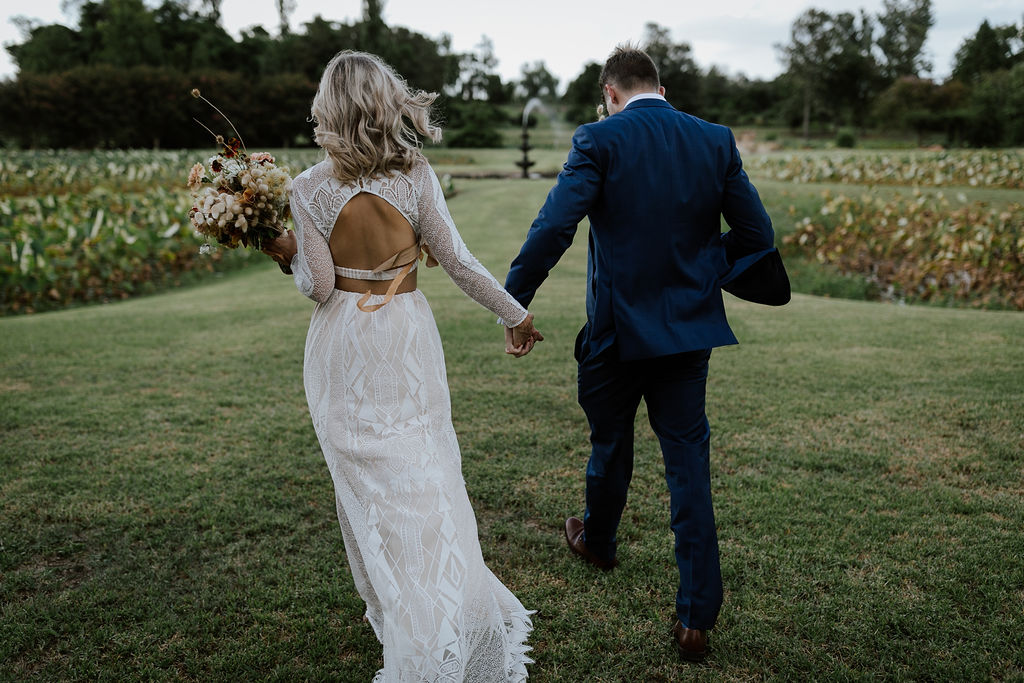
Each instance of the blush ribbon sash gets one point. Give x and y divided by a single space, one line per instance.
406 259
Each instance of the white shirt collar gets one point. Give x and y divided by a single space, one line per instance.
645 96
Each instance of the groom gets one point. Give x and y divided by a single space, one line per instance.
654 183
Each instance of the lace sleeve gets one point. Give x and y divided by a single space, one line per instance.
312 265
438 232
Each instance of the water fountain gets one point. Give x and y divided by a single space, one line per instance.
556 126
526 163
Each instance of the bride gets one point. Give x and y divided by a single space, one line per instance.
374 375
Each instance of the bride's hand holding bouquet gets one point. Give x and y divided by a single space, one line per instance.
241 199
282 249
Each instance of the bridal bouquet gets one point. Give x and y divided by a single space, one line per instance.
238 199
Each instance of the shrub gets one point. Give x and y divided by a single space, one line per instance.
142 106
923 249
475 124
846 138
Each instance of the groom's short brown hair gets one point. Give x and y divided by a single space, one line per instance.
629 68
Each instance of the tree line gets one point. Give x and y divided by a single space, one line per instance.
855 71
122 78
859 70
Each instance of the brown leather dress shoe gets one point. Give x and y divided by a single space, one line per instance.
691 643
574 537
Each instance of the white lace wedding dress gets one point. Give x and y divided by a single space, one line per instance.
378 396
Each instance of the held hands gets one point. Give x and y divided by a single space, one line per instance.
519 340
282 249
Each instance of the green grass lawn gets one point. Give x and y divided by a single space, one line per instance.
167 513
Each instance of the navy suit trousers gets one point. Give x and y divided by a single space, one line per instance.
674 388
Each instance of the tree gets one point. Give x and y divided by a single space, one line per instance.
128 35
854 78
126 70
950 102
121 33
162 108
192 41
31 108
756 102
308 51
211 9
908 104
989 49
285 9
262 52
583 95
537 81
829 58
677 70
1014 121
499 92
995 106
717 93
48 49
372 29
426 63
476 71
805 58
905 28
474 124
283 123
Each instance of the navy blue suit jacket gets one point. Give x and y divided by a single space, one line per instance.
655 183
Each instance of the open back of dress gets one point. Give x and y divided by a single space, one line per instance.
368 231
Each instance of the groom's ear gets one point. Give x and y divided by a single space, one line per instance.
661 90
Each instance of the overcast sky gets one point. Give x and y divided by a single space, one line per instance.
738 35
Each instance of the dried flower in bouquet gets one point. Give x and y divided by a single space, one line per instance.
238 199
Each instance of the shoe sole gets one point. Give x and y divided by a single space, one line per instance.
690 656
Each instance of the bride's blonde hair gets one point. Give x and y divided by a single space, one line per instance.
367 117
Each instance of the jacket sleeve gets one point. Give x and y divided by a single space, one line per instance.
552 232
751 228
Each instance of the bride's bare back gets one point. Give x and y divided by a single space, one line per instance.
368 231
